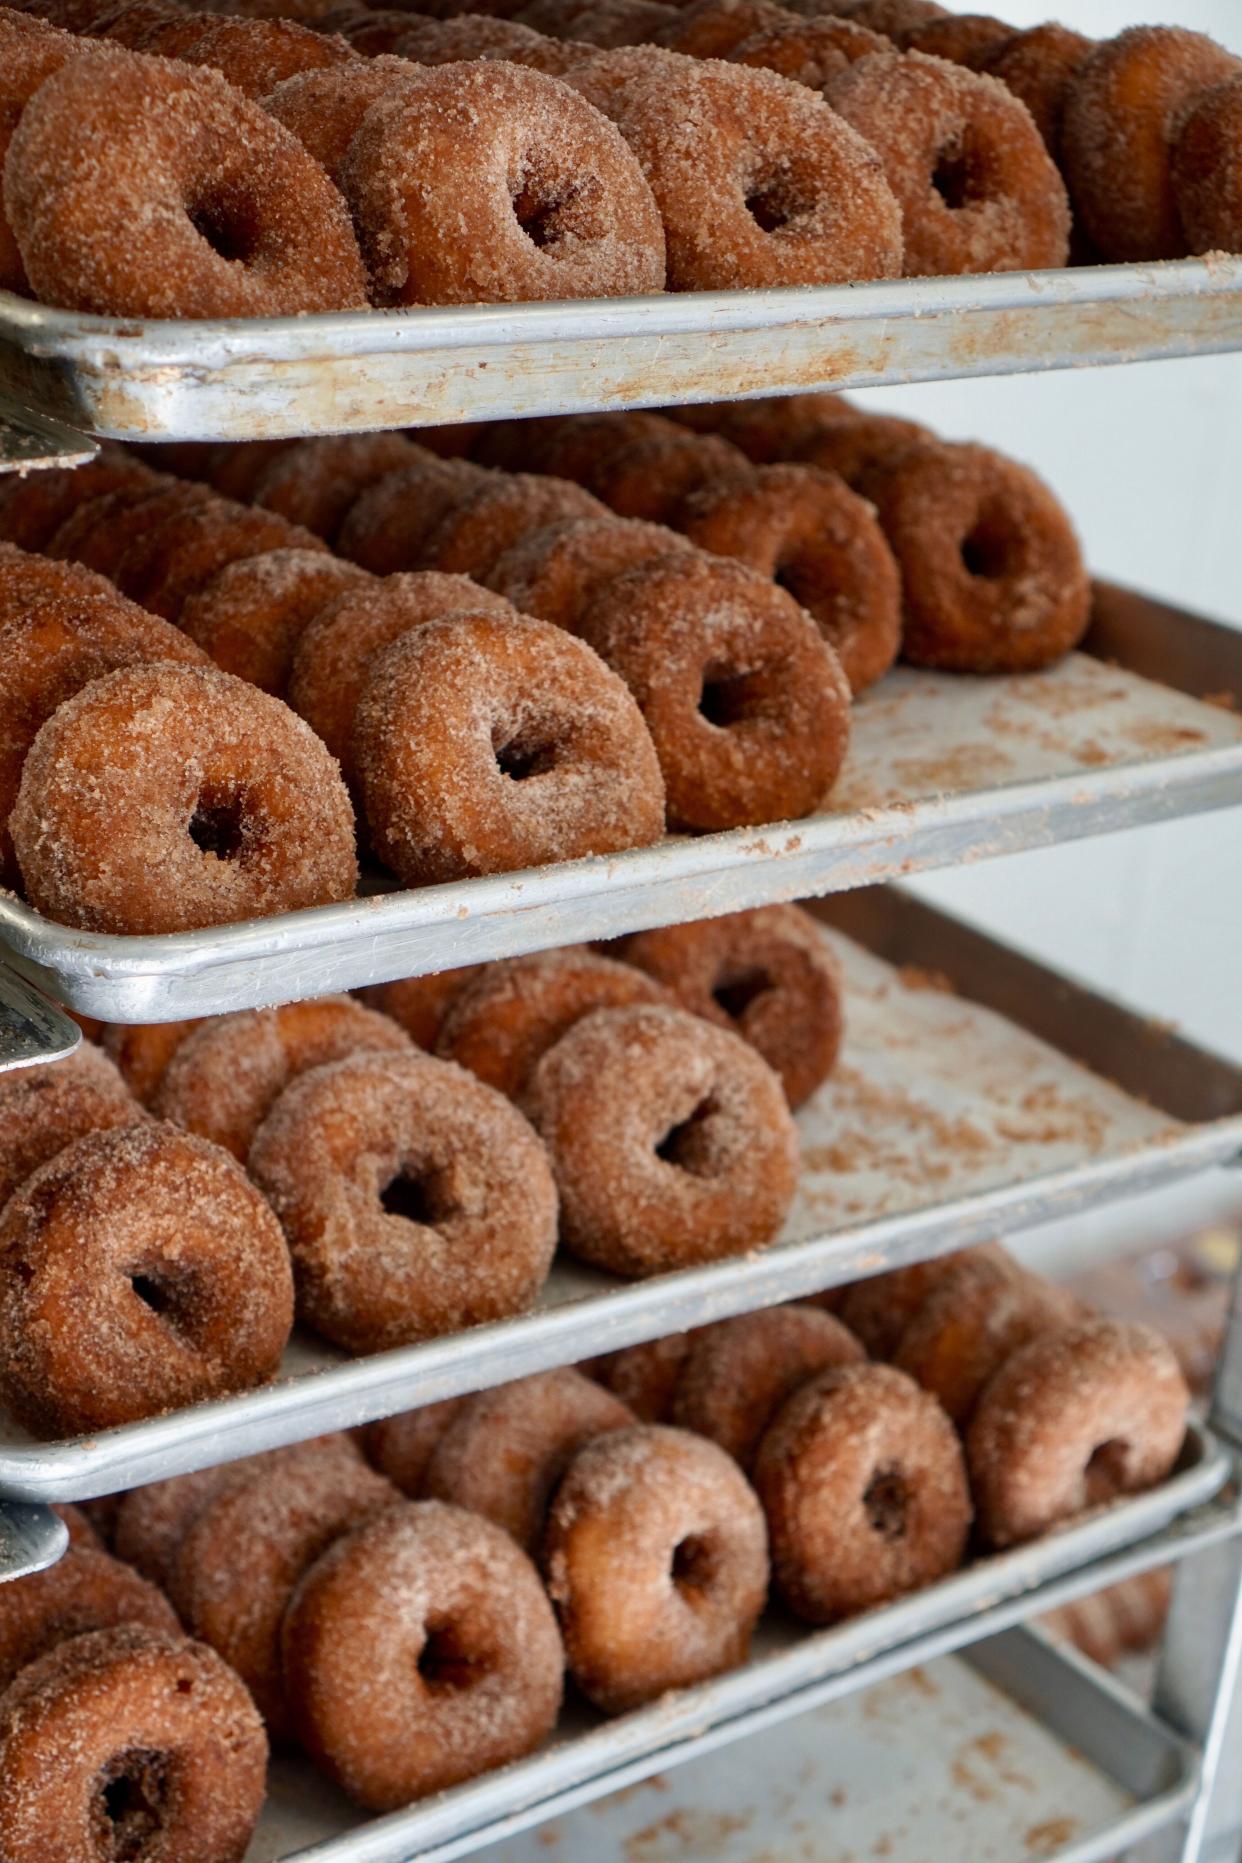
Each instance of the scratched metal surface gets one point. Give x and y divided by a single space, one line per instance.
358 370
942 770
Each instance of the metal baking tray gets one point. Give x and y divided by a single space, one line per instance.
791 1671
356 370
942 770
951 1118
31 1028
31 1538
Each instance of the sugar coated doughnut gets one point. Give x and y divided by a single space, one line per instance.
496 512
130 1742
477 35
245 1551
256 55
1207 170
580 222
152 1521
505 1450
739 1373
745 701
856 444
401 1447
30 52
657 1563
142 1051
85 1590
1038 66
879 1310
527 749
141 1271
34 505
1123 114
251 615
670 1140
44 1108
652 477
556 571
224 1079
566 446
314 482
962 38
863 1482
515 1010
809 532
324 109
421 1651
645 1377
768 975
166 797
609 23
57 632
239 220
1074 1419
388 524
978 190
809 51
335 654
711 28
993 579
756 183
972 1319
768 429
416 1201
890 18
420 1004
168 562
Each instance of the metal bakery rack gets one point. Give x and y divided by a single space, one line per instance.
1140 726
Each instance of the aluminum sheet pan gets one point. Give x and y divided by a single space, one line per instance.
31 1539
790 1672
951 1118
31 1028
357 370
942 770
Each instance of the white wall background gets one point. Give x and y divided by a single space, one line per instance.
1149 460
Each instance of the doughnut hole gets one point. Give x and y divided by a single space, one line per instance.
688 1143
695 1567
131 1797
224 824
554 208
886 1501
227 223
421 1193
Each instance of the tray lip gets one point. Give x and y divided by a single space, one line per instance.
818 1658
116 343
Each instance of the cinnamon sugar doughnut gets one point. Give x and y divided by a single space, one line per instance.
30 52
738 1373
1074 1419
527 750
745 701
712 28
768 429
993 579
610 23
1039 66
34 505
375 32
505 1450
243 1554
864 1486
416 1201
419 1652
809 51
977 188
495 513
670 1140
234 470
53 641
240 222
336 652
44 1108
98 533
657 1563
420 1004
225 1078
85 1590
129 1742
141 1272
151 1522
961 38
314 482
252 613
164 567
566 446
256 55
812 535
142 1051
767 974
503 1022
1207 170
478 35
756 183
652 478
1123 114
645 1377
164 797
581 222
857 444
972 1320
131 22
890 18
556 572
402 1446
388 524
880 1309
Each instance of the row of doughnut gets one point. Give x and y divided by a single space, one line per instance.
674 639
408 1618
314 1159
